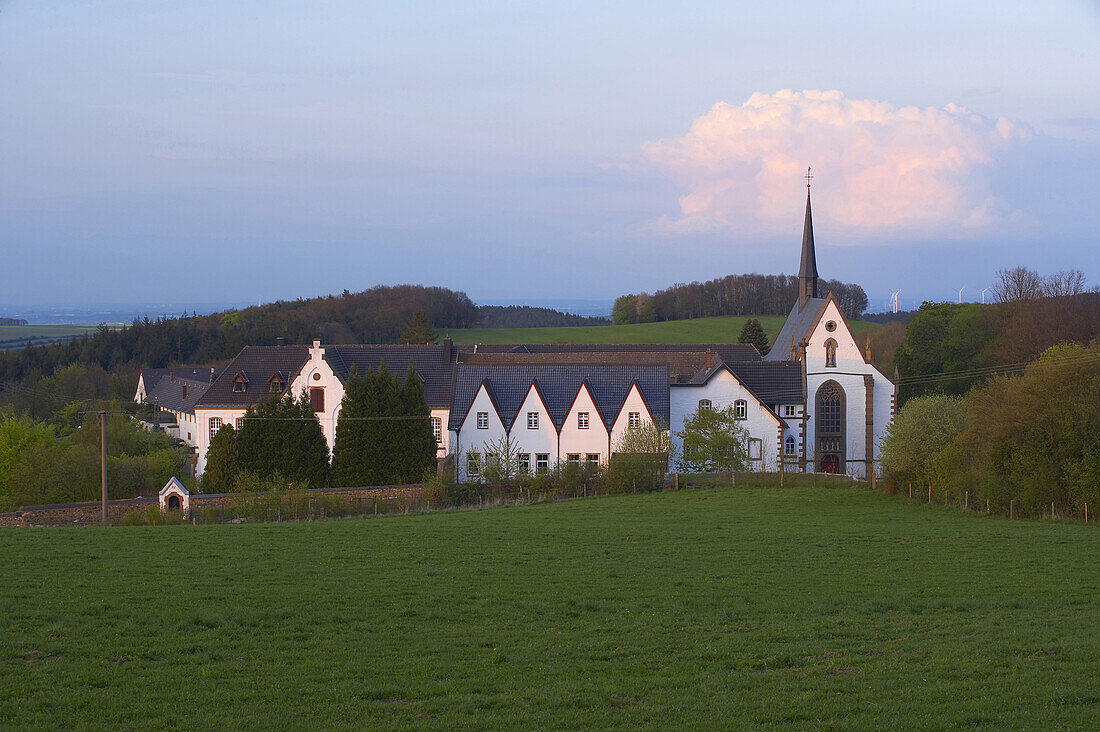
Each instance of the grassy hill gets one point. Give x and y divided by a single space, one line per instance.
724 329
837 608
16 336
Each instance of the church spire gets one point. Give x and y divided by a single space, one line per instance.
807 272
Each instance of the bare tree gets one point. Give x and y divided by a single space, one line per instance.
1064 283
1018 284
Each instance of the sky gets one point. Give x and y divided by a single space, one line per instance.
228 151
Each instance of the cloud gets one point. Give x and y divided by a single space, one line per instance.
878 168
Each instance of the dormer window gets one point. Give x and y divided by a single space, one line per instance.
276 383
830 353
240 383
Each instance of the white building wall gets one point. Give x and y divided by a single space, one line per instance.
633 403
593 440
317 374
723 390
470 439
201 429
542 440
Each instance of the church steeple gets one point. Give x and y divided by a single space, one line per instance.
807 272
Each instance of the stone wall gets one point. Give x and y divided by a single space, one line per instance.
91 512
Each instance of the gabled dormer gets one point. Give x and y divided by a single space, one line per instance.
240 383
276 383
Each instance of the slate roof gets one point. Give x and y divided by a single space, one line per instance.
257 363
559 384
773 382
728 352
179 395
432 363
796 326
682 366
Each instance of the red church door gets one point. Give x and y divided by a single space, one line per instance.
830 464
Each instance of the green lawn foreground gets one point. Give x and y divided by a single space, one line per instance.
840 608
722 329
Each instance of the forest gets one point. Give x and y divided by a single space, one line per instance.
744 294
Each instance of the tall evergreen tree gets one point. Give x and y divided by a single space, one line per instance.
283 435
418 330
753 333
221 461
418 440
350 465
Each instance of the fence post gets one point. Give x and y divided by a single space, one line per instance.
1052 510
929 492
676 481
1012 508
910 490
966 501
987 505
733 480
1086 513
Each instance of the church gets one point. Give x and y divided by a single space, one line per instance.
814 403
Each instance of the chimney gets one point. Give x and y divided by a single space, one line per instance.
171 375
448 346
184 392
211 374
708 359
280 341
316 342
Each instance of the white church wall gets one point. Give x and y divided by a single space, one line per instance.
579 441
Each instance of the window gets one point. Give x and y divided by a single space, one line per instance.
317 398
740 409
437 429
473 464
542 462
215 425
790 411
582 420
532 420
634 419
573 457
830 353
592 457
238 423
704 404
238 385
828 410
525 462
788 445
276 384
756 448
483 420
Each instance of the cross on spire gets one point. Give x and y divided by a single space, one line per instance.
809 177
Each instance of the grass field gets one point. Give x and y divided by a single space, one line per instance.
724 329
800 608
16 336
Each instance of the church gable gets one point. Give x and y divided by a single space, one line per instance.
830 343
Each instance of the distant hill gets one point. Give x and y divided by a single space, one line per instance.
526 316
12 321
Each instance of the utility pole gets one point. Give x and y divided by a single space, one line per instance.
103 460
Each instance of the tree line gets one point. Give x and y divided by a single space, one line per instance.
744 294
526 316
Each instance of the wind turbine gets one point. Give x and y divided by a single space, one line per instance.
894 299
961 294
983 294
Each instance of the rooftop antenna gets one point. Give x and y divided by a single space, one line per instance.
983 294
961 294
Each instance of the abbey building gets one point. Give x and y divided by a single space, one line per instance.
815 402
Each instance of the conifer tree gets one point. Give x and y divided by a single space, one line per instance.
753 333
221 461
418 330
283 435
418 440
349 455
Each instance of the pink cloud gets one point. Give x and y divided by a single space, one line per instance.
878 167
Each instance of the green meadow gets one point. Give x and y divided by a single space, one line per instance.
765 607
722 329
17 336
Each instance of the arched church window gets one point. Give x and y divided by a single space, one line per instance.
829 406
704 404
830 353
788 445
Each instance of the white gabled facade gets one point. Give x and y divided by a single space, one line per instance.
836 367
634 404
533 431
481 428
316 376
763 428
578 439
